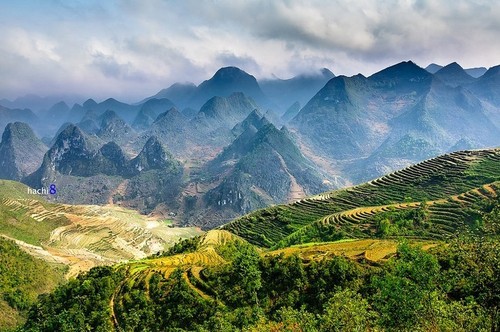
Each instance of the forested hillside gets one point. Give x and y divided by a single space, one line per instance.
426 258
22 279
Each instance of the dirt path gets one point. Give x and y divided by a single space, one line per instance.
112 305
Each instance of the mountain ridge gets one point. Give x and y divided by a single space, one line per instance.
21 151
420 182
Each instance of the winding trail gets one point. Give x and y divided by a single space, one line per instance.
296 191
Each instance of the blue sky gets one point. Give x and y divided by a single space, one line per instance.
132 48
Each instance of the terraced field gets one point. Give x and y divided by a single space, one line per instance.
81 236
443 218
372 250
139 274
205 255
465 177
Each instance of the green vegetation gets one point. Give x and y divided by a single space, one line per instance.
22 279
402 223
16 222
85 306
15 190
444 289
182 246
349 213
427 261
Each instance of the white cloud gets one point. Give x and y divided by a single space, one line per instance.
132 48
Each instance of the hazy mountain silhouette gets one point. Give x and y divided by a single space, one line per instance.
21 152
454 75
225 82
301 88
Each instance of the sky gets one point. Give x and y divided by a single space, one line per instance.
131 49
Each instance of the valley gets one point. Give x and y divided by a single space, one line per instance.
414 229
82 236
240 204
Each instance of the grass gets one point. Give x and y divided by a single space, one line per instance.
311 244
17 222
368 249
168 221
16 190
22 279
82 235
349 209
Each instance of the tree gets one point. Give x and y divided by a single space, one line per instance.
245 269
473 270
284 280
287 320
404 291
347 311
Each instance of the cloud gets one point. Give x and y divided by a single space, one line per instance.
109 67
131 48
370 31
245 62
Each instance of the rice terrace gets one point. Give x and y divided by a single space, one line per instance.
250 166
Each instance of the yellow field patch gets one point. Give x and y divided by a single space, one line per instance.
370 249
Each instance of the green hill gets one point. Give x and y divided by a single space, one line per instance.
341 264
219 282
457 180
22 279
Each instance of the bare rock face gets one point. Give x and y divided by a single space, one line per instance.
21 152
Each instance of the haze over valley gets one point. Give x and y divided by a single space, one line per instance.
203 155
250 166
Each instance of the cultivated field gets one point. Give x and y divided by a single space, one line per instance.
81 236
460 179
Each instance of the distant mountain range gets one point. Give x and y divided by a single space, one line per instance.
235 144
225 82
399 116
269 93
299 89
262 166
8 115
38 103
474 72
76 155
